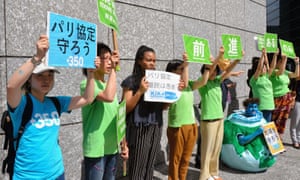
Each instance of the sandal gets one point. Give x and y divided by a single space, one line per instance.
296 145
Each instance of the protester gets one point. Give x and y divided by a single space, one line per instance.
283 98
295 115
39 155
211 124
100 147
182 129
262 86
144 119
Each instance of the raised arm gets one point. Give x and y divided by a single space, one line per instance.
110 90
22 74
185 73
273 63
282 65
295 74
226 74
216 61
260 64
88 95
202 82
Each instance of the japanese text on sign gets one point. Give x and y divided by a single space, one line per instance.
107 14
163 86
197 49
72 41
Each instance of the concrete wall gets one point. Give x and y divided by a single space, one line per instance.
158 24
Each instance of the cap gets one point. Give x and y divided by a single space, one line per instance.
42 68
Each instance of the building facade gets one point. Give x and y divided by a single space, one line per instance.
157 24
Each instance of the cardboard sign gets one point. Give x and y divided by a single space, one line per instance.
233 46
272 138
107 14
72 42
287 48
163 86
197 49
270 42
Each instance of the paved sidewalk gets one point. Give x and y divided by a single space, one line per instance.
287 167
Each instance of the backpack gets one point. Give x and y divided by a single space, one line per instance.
9 140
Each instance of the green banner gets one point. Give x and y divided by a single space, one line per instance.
197 49
232 46
107 14
121 121
270 41
287 48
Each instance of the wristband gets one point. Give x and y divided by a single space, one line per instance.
207 68
34 61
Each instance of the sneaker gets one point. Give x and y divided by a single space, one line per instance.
217 178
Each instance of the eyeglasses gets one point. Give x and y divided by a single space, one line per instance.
107 58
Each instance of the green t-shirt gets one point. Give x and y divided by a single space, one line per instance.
211 100
280 83
262 89
181 112
99 125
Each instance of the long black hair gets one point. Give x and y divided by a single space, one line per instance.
137 69
218 70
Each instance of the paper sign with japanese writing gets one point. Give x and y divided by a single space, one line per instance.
270 41
232 46
197 49
121 121
163 86
272 138
72 42
107 14
287 48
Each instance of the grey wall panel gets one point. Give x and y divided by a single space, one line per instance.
159 5
145 27
255 17
200 9
25 21
2 29
231 13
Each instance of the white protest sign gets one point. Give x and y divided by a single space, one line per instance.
163 86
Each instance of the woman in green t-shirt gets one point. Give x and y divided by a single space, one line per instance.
211 124
262 86
283 98
182 129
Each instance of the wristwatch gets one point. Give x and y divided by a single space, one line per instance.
34 60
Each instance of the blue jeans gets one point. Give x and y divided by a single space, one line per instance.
101 168
267 115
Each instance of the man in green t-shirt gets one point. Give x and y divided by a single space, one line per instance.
100 148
